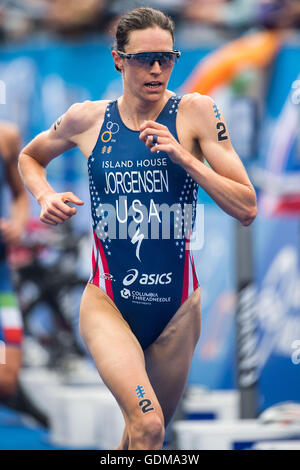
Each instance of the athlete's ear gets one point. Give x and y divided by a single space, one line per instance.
117 60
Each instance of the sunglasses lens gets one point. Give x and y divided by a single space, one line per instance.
166 58
144 58
148 58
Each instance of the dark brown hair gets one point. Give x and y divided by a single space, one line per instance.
138 19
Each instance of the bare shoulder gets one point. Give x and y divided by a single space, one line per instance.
195 103
79 118
199 112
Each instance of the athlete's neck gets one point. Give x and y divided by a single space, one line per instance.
135 111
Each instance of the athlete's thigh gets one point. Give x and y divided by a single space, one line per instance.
118 355
169 358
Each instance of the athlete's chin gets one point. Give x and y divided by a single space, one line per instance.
154 94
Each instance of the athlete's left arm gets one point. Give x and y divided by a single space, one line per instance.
13 227
226 180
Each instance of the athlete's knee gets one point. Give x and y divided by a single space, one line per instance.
148 433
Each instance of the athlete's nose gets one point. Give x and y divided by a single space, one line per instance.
156 67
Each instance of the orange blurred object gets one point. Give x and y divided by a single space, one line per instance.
221 66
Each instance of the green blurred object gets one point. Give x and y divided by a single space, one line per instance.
243 82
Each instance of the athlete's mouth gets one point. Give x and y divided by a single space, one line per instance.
153 84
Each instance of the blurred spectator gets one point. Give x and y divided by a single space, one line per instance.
19 18
22 18
76 16
279 13
222 13
244 13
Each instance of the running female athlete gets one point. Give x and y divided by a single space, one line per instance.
140 312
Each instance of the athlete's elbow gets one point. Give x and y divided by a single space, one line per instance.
24 165
22 159
25 158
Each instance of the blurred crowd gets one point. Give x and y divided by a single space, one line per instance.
72 18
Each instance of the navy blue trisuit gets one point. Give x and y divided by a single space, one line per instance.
143 211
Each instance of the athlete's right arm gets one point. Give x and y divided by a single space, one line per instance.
34 158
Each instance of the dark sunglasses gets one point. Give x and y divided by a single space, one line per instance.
167 58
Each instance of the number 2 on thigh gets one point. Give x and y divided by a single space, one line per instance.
145 405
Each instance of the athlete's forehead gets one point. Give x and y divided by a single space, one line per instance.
150 39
